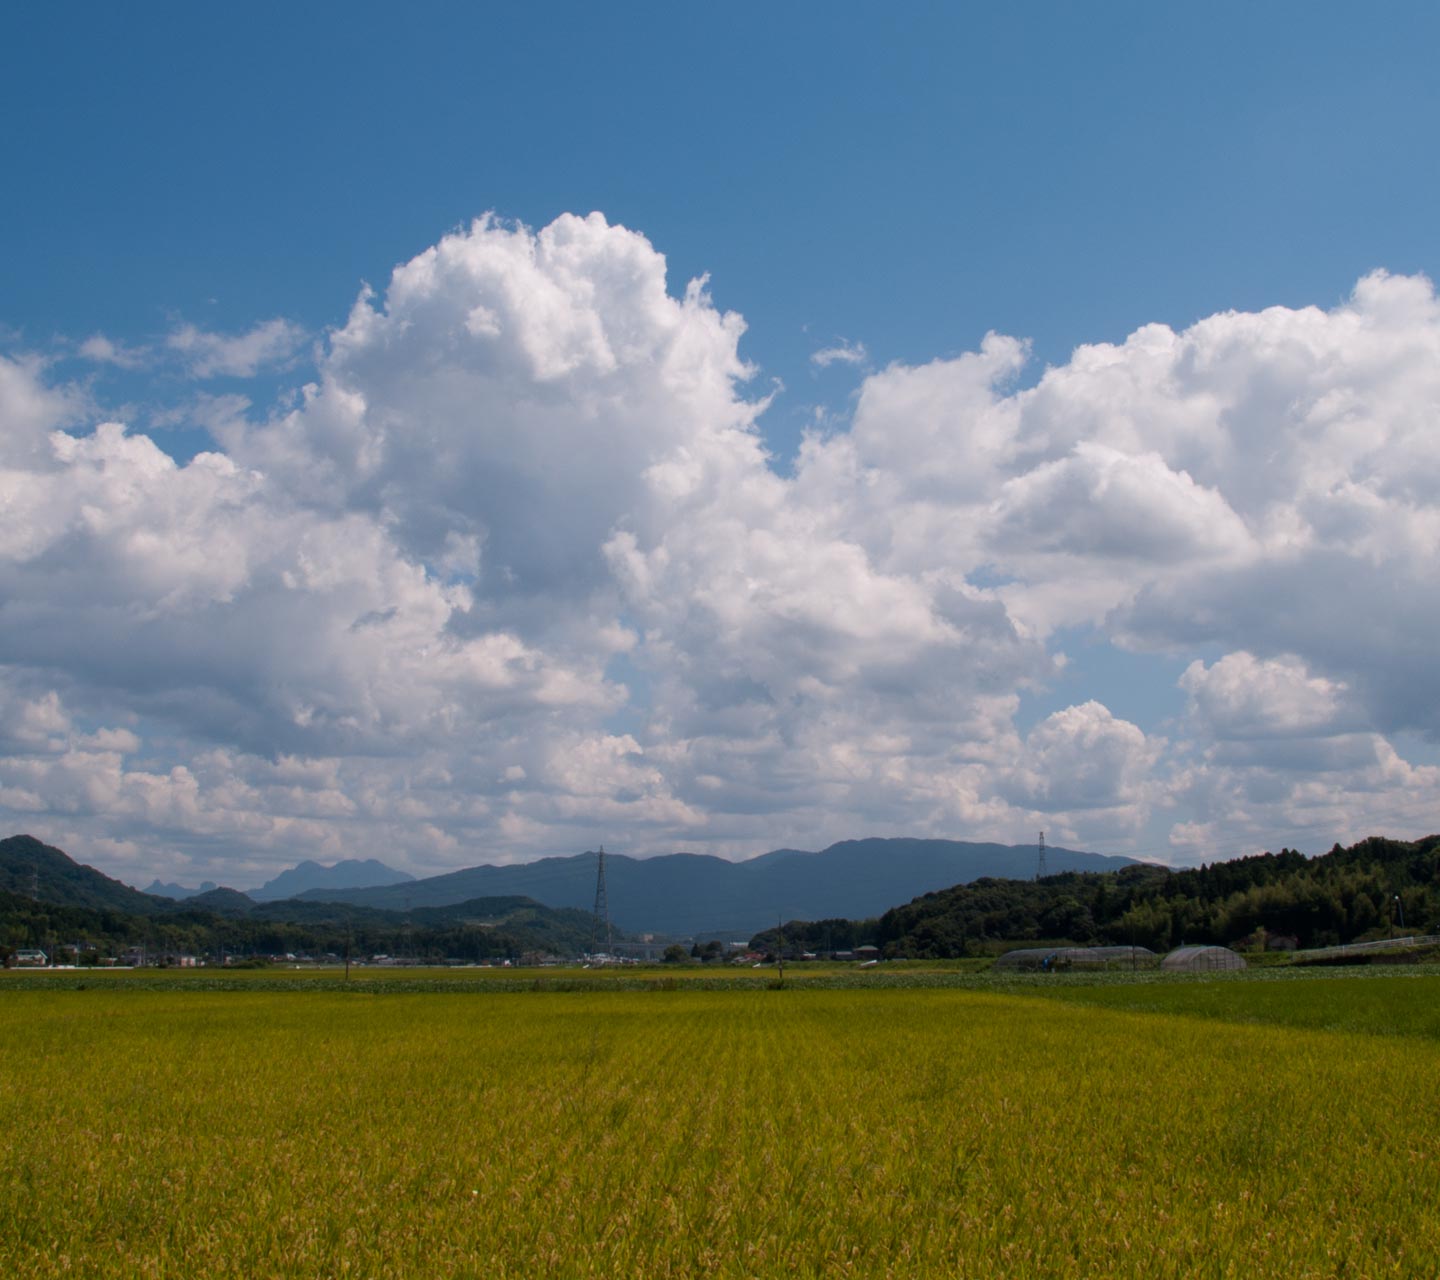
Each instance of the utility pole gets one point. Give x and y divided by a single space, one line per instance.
1040 866
35 894
602 909
780 947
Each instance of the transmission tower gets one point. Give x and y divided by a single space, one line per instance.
602 909
1040 865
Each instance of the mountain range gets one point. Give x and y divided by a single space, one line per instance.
680 894
351 873
1372 890
688 894
159 888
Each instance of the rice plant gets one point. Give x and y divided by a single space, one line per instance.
683 1133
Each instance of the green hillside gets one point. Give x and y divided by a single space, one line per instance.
1350 894
33 869
81 912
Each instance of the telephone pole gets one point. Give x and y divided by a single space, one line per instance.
1040 865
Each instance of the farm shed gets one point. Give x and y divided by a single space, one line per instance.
1201 960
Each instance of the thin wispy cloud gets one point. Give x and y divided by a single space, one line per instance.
102 350
273 344
843 352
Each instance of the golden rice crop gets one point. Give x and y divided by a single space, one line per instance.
698 1133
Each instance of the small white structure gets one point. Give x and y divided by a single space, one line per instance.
31 958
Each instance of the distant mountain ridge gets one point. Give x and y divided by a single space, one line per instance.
351 873
222 901
46 896
689 893
170 889
681 894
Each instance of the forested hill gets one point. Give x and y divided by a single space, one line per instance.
483 929
31 868
47 900
1348 894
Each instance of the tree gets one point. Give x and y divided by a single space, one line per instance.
1067 917
676 954
1146 924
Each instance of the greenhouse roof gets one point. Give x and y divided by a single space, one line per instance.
1203 958
1035 957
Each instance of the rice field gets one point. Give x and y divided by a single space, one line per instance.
1396 1000
171 1130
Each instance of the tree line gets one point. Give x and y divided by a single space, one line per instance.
1375 887
90 935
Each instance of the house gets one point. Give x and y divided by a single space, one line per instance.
32 958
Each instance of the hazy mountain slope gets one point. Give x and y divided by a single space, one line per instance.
352 873
686 893
221 901
158 888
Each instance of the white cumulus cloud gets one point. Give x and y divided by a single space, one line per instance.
514 573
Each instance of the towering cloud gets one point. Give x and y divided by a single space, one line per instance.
514 571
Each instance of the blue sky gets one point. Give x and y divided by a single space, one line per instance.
890 185
911 180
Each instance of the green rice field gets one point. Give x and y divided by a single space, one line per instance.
929 1125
